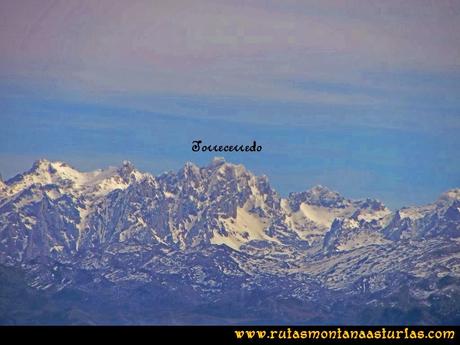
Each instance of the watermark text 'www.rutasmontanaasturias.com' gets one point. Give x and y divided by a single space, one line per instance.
198 147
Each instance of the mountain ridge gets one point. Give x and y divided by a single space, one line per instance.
213 230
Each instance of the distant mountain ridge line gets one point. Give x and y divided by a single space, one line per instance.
215 159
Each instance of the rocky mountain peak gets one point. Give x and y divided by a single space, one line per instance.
318 196
125 170
372 204
40 164
448 197
217 161
323 194
190 170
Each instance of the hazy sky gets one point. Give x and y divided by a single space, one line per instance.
361 96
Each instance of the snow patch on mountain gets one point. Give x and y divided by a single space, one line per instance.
243 228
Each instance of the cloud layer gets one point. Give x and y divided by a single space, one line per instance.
257 49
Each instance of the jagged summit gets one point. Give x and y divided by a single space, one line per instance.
217 161
220 166
125 170
39 163
320 192
190 170
320 189
319 196
449 196
127 165
43 165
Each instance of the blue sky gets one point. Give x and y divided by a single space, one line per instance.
360 96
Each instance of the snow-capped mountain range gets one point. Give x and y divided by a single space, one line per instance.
217 244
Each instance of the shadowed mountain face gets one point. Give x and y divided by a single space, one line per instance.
217 245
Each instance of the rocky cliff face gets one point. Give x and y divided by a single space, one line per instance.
205 236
